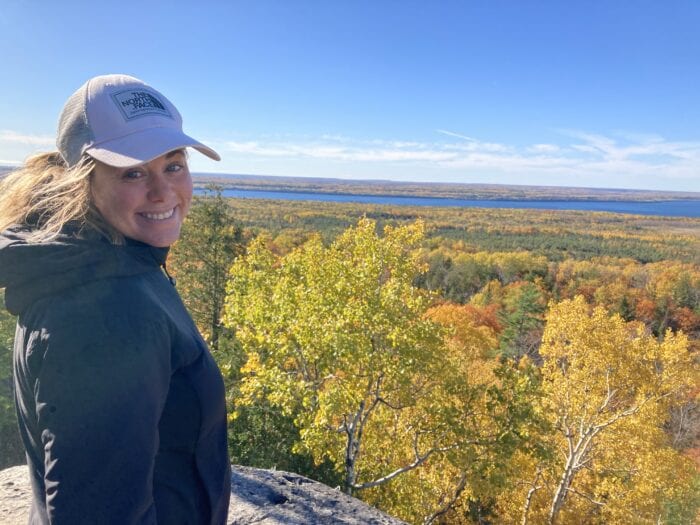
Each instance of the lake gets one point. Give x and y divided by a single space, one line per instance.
685 208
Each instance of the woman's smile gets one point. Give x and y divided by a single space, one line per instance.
158 216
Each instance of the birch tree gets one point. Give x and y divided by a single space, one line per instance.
607 387
336 337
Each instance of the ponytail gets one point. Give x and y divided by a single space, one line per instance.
46 195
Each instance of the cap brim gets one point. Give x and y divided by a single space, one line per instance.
144 146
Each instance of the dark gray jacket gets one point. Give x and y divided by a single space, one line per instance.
120 405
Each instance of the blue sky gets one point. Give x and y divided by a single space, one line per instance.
567 93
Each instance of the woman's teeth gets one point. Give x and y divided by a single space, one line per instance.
159 216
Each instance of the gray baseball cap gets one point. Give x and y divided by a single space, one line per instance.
123 122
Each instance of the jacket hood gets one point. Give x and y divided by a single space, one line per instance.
30 271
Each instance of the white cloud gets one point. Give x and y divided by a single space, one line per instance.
583 148
544 148
581 158
7 135
390 152
256 148
15 146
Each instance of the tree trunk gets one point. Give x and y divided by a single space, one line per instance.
528 499
560 495
352 449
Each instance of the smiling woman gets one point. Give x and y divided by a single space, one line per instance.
121 406
147 202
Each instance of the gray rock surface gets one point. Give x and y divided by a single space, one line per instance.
15 494
260 497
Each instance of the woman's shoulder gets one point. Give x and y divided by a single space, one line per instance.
90 326
120 307
32 271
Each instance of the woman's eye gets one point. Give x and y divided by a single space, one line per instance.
175 166
132 174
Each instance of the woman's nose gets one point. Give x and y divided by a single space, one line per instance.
158 187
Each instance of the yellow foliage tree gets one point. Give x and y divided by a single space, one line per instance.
336 337
484 404
408 402
607 389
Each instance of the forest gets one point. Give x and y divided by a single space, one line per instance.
448 365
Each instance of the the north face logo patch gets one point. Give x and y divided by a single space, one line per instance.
138 103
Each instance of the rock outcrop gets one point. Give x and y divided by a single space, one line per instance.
15 494
262 497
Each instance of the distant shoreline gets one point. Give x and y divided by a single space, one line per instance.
674 208
455 191
234 187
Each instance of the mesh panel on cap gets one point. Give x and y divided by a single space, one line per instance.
73 129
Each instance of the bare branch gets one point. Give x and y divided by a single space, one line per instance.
534 487
448 505
625 413
416 463
587 497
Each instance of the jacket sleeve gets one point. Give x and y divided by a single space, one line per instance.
99 396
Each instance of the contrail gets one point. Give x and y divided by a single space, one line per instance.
453 134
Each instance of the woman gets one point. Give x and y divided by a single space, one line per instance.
120 405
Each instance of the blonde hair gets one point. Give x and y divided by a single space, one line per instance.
46 195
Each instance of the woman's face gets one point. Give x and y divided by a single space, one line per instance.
148 202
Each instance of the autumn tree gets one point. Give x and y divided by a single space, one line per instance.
607 389
336 337
459 275
209 243
488 404
410 403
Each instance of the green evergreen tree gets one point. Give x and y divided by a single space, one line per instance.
209 243
522 319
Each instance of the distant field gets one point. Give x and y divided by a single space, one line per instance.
559 235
